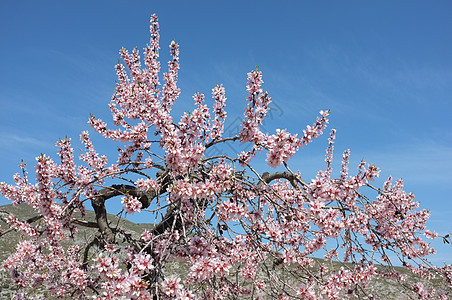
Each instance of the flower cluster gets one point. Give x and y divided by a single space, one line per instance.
117 283
147 184
311 132
131 204
218 94
26 228
230 211
281 147
256 109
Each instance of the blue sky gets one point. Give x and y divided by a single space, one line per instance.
384 69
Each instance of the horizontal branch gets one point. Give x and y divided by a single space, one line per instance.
235 138
85 223
292 178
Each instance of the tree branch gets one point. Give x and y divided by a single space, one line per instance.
292 178
145 197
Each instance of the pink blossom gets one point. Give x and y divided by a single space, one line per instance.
218 94
281 147
131 204
431 235
147 184
229 211
171 286
142 263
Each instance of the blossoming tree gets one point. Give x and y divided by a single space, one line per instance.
240 233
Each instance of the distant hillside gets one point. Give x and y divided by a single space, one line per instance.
382 288
83 236
24 212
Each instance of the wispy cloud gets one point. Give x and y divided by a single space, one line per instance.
394 74
13 141
421 163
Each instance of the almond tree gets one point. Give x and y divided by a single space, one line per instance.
240 233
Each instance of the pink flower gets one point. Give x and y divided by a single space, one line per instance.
142 263
307 292
146 236
218 94
230 210
147 184
131 204
256 109
431 235
171 286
